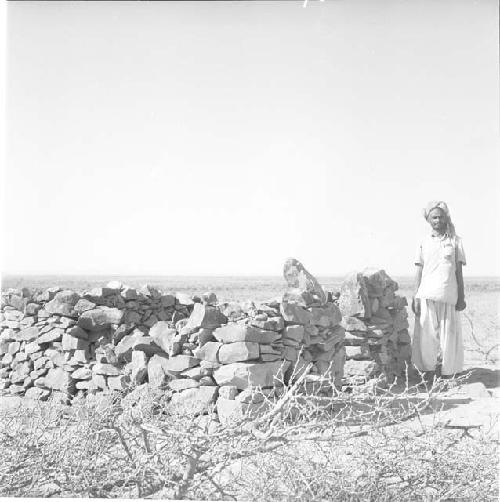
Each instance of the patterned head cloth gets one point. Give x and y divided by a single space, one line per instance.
439 204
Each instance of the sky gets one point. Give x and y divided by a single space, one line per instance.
221 138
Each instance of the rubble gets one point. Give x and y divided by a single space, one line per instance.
204 353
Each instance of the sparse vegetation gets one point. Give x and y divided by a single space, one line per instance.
370 444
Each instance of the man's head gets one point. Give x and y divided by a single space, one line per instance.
438 220
438 216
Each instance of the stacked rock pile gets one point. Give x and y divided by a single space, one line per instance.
302 333
59 340
376 323
313 332
202 352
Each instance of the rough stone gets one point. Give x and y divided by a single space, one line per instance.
28 334
238 351
353 324
326 316
105 369
54 335
183 299
123 349
181 384
209 298
8 335
232 310
21 356
294 333
82 305
360 352
157 373
194 401
295 314
243 375
31 348
139 367
32 309
63 303
58 379
297 277
163 335
353 299
97 319
13 348
120 382
270 324
208 352
129 293
82 374
228 392
37 393
230 411
377 282
178 364
71 343
205 316
244 333
99 381
364 369
147 345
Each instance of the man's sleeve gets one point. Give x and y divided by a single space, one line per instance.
460 256
419 256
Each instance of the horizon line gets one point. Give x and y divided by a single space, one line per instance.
333 275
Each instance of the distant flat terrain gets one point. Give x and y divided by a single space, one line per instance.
235 288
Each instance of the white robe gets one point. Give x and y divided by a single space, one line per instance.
438 331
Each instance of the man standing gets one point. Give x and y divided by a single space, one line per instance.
439 296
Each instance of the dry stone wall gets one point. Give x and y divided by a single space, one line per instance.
202 352
377 341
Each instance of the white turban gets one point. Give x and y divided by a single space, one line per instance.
436 204
439 204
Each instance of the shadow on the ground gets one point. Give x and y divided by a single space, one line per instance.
490 378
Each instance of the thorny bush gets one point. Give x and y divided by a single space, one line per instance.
308 442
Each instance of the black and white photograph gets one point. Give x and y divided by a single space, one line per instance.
250 250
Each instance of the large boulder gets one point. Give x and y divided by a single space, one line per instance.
298 278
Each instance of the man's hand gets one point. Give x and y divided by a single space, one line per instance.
460 305
415 306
